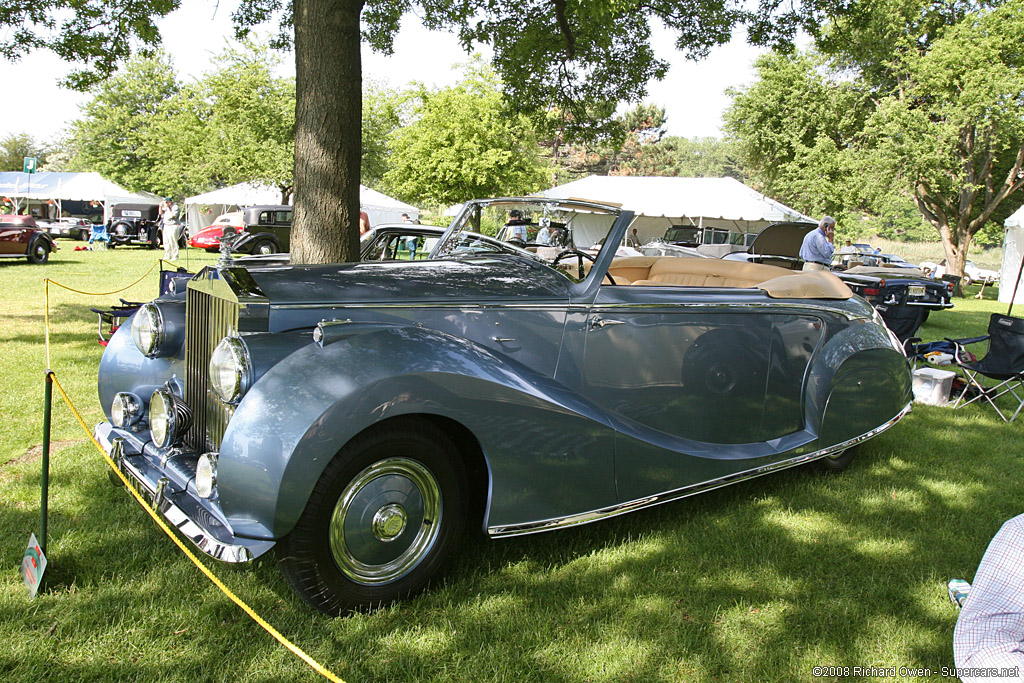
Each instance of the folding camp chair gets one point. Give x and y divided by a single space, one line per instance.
1004 363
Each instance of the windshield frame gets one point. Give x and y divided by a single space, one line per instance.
445 248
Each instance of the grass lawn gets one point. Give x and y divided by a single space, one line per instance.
761 581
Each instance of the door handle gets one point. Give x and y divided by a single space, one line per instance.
598 323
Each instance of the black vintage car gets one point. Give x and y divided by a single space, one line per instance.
267 230
134 224
903 296
138 224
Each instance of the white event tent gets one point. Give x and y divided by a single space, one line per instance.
1013 250
203 209
723 209
27 188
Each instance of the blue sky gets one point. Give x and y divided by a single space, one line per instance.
692 93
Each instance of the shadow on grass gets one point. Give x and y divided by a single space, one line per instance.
758 581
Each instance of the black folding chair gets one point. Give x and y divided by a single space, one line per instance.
1004 363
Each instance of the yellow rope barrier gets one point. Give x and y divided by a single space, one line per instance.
316 666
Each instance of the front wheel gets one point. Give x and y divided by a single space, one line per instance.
39 252
385 514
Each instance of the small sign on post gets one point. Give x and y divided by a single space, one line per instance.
32 566
29 165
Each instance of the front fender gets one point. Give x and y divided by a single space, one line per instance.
124 368
547 451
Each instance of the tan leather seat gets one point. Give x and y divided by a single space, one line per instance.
646 271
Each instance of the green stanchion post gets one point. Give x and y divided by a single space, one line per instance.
44 495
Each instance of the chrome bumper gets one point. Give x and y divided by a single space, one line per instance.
172 494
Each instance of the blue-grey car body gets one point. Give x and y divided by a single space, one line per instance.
582 399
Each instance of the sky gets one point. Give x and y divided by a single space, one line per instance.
692 93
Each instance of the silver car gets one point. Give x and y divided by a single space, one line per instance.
358 418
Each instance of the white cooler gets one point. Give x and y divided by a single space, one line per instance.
931 386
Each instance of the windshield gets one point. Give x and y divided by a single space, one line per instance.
542 227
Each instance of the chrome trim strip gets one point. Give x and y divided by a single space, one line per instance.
669 496
176 517
774 305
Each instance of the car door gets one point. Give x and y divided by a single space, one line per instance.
687 372
12 241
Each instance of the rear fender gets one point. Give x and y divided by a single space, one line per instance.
546 451
869 387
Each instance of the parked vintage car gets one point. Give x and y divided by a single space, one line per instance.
208 238
903 296
357 417
262 229
74 228
138 224
972 273
20 236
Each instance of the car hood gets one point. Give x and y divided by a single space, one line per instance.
494 278
781 239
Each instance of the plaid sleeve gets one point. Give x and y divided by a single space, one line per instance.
990 630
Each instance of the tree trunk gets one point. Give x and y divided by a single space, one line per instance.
328 140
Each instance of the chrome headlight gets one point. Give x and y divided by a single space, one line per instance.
169 418
230 370
148 329
125 410
206 475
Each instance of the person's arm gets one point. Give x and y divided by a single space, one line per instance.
990 630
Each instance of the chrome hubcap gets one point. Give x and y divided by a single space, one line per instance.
389 522
386 521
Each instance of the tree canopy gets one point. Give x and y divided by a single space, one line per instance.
14 147
462 144
932 120
571 56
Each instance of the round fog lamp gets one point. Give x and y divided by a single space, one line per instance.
148 329
206 475
125 410
169 418
230 370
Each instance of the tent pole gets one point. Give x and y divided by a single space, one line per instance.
1020 270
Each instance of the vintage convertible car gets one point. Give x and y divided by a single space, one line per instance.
357 417
20 236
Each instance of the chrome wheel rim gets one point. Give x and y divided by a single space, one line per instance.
39 252
265 249
386 520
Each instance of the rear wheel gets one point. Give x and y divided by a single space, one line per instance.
967 281
264 247
38 252
838 462
381 521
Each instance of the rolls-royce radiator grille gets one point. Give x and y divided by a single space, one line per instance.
209 319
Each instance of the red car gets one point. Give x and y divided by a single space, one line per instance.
21 236
209 237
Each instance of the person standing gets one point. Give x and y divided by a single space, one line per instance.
169 226
817 248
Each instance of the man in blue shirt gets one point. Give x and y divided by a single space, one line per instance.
816 250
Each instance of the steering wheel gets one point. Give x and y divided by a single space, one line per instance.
516 242
580 255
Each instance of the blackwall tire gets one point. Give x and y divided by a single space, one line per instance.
264 247
38 252
385 515
838 462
